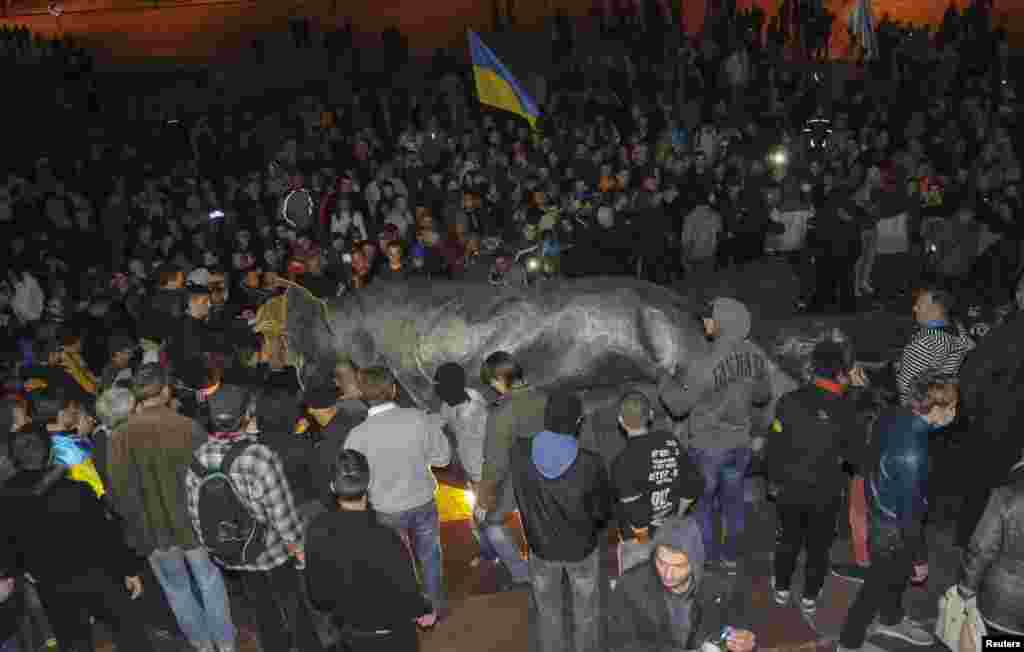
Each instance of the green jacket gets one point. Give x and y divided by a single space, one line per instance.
149 455
520 413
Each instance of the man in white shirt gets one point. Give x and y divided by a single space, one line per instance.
402 444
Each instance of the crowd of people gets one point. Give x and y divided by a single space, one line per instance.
153 407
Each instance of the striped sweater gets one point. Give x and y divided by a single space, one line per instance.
932 350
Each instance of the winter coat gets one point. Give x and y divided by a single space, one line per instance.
993 564
638 614
563 493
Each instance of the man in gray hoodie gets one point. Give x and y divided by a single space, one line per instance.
720 394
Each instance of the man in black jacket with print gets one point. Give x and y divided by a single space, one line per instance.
816 428
653 477
565 500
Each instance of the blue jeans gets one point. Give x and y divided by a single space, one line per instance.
724 473
201 623
549 601
420 527
495 538
10 645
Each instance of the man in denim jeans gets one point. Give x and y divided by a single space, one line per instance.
896 480
564 497
401 445
719 394
147 455
517 413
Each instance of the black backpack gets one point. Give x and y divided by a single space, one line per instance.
227 528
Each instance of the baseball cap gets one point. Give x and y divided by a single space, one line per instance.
228 405
120 342
321 398
450 383
563 413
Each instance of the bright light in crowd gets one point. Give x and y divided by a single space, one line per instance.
470 498
533 264
778 157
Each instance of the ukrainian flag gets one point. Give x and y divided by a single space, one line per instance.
495 85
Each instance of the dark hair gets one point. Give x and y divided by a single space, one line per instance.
30 449
277 412
167 273
228 415
48 408
934 391
352 475
150 380
939 295
831 359
376 383
501 366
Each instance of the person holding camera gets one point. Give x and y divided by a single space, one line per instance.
673 602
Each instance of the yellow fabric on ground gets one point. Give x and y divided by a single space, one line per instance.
453 504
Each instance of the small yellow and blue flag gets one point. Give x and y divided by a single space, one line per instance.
495 85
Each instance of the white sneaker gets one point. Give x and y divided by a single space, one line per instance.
781 597
908 631
809 605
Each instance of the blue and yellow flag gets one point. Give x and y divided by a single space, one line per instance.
495 85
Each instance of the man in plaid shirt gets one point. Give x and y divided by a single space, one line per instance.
272 580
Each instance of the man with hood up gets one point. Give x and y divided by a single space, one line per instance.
564 498
719 394
672 603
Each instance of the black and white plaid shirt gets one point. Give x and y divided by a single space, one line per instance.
258 475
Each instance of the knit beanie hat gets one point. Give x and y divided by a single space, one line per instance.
563 413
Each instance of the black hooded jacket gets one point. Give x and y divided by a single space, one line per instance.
47 510
563 492
640 618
